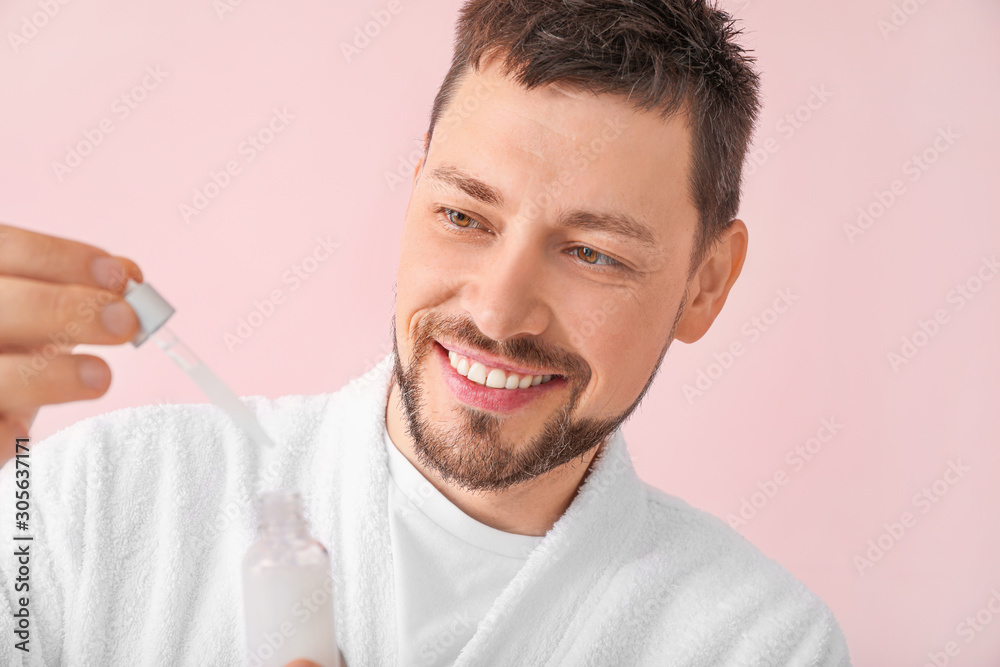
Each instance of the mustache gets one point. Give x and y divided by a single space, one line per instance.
519 351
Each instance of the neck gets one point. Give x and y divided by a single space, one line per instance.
529 508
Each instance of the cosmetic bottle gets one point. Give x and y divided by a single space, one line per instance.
287 589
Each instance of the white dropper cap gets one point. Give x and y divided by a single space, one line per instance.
151 309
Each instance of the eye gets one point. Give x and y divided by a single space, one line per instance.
459 219
591 256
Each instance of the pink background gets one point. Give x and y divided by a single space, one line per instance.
884 99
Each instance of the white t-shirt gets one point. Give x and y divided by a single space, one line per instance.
449 568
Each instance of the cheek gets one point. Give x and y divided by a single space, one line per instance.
426 277
421 268
621 344
432 265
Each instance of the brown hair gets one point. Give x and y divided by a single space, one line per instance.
669 55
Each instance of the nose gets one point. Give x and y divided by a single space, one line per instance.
506 296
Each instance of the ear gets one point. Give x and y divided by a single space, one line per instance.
708 288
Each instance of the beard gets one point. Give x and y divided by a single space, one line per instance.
472 452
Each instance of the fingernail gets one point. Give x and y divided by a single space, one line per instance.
118 318
109 272
94 374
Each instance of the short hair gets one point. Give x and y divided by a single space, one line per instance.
665 55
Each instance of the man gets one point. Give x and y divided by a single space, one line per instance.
573 213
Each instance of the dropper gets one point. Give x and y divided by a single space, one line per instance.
153 311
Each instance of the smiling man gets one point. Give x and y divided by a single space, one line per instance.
574 212
583 158
525 220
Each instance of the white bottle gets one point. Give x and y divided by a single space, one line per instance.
287 589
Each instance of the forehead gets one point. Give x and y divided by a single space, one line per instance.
584 150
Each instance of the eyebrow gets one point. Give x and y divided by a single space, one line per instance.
616 223
459 180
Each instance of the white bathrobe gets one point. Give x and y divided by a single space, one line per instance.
141 517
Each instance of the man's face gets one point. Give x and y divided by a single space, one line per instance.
522 269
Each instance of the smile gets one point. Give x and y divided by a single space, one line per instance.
490 388
496 378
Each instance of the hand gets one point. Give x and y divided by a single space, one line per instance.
55 294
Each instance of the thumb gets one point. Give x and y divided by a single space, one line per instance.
302 663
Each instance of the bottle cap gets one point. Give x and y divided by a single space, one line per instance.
151 309
280 508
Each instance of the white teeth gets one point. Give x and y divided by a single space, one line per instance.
477 373
494 378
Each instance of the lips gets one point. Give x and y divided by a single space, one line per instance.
494 399
490 362
495 378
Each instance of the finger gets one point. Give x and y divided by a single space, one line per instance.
25 348
27 382
8 444
19 420
23 419
38 313
132 269
28 254
302 663
62 346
